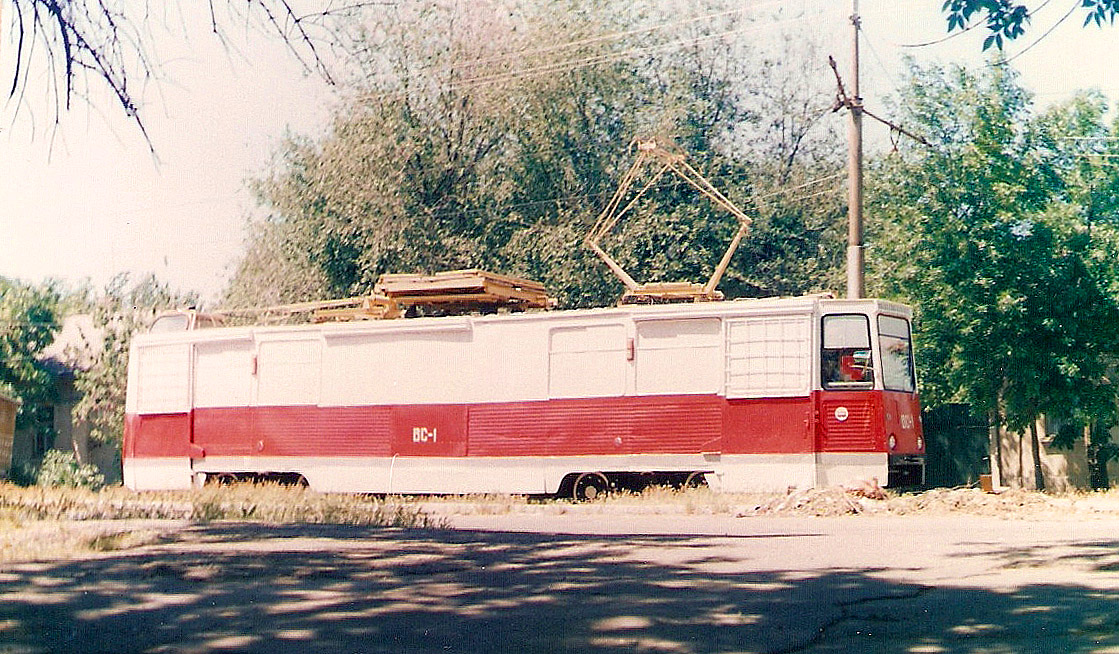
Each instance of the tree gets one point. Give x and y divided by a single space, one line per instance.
476 141
1087 147
1006 19
29 318
988 240
86 44
119 312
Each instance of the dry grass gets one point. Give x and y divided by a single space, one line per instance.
48 523
269 503
41 540
652 500
814 502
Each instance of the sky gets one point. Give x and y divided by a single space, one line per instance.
88 199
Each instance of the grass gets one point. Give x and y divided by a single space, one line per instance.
652 500
269 503
49 523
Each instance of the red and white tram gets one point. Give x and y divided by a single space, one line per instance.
748 395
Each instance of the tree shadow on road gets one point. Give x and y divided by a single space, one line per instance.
354 589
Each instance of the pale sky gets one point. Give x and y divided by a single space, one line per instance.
93 201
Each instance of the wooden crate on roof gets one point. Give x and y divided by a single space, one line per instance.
464 290
457 291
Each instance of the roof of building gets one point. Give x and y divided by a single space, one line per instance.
75 345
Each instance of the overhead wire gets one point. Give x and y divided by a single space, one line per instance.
881 64
573 64
584 62
600 38
789 189
611 36
965 30
842 99
1049 31
576 63
813 195
591 196
940 40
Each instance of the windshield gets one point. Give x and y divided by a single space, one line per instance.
846 360
897 354
170 322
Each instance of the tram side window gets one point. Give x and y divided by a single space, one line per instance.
846 358
897 354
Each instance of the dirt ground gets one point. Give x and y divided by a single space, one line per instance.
820 571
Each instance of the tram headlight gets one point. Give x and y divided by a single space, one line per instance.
893 442
920 443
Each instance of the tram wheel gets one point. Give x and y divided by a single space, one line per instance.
589 486
696 480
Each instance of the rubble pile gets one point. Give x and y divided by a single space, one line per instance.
869 499
1009 503
818 502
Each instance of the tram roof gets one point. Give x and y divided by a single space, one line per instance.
797 305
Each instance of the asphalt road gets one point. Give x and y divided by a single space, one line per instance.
576 583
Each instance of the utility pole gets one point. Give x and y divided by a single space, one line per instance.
853 103
855 252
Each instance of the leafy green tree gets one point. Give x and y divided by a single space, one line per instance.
119 312
29 319
987 239
1006 20
475 141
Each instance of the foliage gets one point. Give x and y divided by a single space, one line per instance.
491 134
1007 19
988 240
60 468
28 322
120 312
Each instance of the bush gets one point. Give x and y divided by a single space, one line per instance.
62 469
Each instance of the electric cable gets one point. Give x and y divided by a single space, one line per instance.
611 36
1049 31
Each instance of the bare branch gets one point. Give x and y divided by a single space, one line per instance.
19 51
89 43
